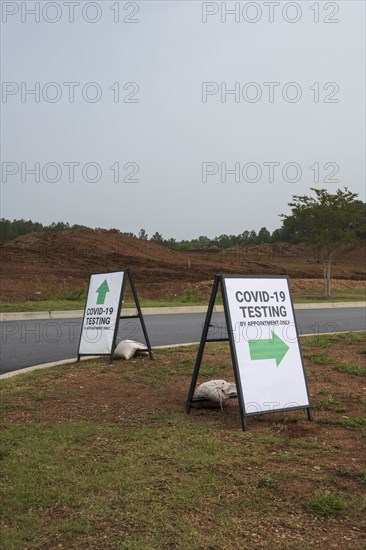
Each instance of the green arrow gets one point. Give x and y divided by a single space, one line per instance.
274 348
102 291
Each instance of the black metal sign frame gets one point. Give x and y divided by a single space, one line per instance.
119 317
218 283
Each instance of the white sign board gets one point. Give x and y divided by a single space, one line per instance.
264 337
101 313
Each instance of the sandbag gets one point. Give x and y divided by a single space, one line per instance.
218 391
127 349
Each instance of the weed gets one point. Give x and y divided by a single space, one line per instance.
71 295
317 341
208 371
352 474
326 404
320 358
357 422
191 294
325 503
354 370
267 482
362 476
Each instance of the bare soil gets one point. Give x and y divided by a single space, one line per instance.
38 265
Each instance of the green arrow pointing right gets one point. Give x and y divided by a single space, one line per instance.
102 291
273 348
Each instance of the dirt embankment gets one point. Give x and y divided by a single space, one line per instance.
39 264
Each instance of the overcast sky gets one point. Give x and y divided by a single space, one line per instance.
131 123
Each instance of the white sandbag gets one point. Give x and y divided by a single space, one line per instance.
218 391
127 349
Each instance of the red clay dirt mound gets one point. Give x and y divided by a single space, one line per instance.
37 265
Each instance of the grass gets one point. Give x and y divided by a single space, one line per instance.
328 340
330 404
348 295
151 477
353 370
351 474
325 503
319 358
354 423
70 305
66 300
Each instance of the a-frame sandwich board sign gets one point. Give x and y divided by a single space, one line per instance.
102 314
264 345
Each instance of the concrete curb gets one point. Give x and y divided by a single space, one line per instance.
71 361
330 305
84 358
78 314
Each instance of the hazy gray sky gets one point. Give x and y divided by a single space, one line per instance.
184 117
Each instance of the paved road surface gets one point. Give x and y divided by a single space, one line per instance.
27 343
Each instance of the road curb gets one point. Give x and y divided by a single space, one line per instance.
78 314
71 361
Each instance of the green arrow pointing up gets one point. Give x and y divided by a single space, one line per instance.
273 348
102 291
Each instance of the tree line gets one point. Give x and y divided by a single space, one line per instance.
325 222
341 210
11 229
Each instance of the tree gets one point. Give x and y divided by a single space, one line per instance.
326 221
252 237
361 232
143 235
264 236
157 238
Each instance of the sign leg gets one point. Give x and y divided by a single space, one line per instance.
202 342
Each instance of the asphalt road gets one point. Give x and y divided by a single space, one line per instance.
28 343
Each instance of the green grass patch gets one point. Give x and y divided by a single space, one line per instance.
352 474
329 404
325 503
317 341
66 300
41 305
353 370
348 295
267 482
355 423
151 477
149 480
319 358
329 340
